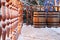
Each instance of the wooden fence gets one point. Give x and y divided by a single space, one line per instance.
40 18
11 21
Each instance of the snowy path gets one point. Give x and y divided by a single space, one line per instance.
30 33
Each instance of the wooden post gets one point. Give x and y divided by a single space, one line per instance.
0 26
7 19
31 10
27 15
20 19
3 19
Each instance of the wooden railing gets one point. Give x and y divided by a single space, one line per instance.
11 21
42 8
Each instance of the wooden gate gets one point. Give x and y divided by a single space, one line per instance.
11 19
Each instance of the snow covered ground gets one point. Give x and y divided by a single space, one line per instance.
31 33
57 30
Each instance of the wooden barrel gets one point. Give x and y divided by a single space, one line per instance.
50 19
53 19
39 19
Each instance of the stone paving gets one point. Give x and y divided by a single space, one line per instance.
31 33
